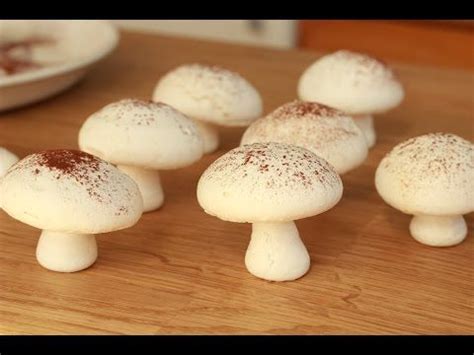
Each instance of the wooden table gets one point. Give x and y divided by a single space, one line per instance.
182 271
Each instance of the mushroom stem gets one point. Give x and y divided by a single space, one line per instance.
276 252
149 183
66 252
366 125
438 231
209 134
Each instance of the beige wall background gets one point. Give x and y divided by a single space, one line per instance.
271 33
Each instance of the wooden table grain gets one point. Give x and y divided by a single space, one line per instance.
180 271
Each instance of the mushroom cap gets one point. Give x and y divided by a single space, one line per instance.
145 134
210 93
352 82
432 174
268 182
327 132
70 191
7 159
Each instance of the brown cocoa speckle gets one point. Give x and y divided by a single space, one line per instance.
218 82
278 164
365 64
306 124
81 167
122 210
299 108
12 64
145 113
435 159
66 162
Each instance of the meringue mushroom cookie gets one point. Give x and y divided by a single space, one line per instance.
71 196
7 159
327 132
142 137
352 82
212 96
432 178
270 185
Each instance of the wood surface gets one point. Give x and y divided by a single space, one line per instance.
437 43
181 271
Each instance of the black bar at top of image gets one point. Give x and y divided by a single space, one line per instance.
237 10
67 345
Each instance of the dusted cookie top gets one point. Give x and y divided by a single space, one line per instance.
70 191
268 182
327 132
429 174
353 82
210 93
142 133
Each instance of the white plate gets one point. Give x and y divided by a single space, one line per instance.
80 44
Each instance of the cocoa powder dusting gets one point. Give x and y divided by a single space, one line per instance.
145 113
218 81
74 176
363 59
71 164
68 162
220 72
432 156
369 62
282 165
307 124
11 63
299 108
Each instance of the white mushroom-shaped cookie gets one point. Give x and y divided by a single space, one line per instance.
142 137
212 96
270 185
352 82
432 178
325 131
7 159
71 196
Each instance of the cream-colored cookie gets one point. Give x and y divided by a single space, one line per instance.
211 95
71 196
352 82
431 177
270 185
327 132
142 137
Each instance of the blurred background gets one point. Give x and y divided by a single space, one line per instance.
447 43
